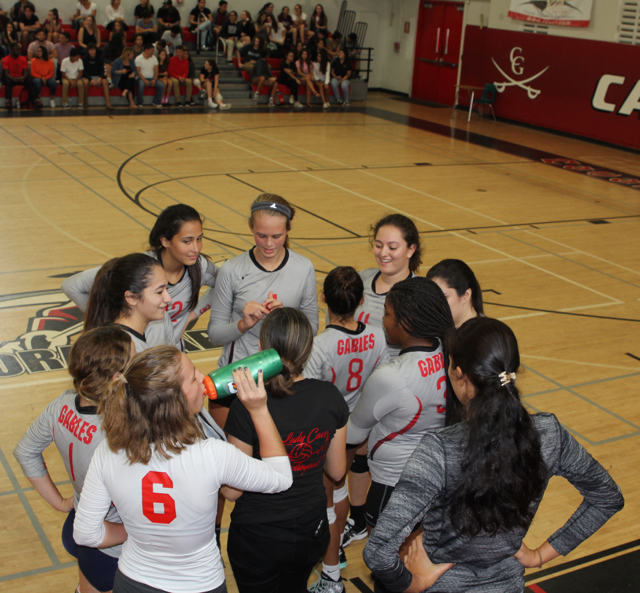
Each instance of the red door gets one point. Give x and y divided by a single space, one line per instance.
437 52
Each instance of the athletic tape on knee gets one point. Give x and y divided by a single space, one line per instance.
360 465
331 515
340 494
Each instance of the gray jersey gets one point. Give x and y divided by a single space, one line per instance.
400 403
347 358
372 310
78 287
243 279
76 432
157 333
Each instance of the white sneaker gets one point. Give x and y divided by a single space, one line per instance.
325 585
18 104
271 103
255 95
291 100
326 105
52 102
298 105
203 94
225 106
211 104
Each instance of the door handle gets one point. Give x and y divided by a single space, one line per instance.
437 40
446 44
449 64
428 61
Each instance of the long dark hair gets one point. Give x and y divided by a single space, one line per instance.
409 233
503 471
289 332
168 224
460 277
343 290
131 273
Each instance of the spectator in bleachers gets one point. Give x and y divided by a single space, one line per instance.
192 72
43 74
300 26
173 38
305 73
16 73
63 49
29 26
353 52
261 76
321 75
297 51
163 75
247 29
333 44
276 37
71 72
9 36
41 41
94 74
289 77
158 46
220 17
250 54
263 28
114 11
285 20
138 46
147 71
144 5
85 8
230 33
16 10
88 33
319 21
209 76
53 25
267 8
168 16
179 74
124 75
146 27
340 74
113 49
201 20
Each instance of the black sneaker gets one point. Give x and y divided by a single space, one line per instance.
191 103
351 534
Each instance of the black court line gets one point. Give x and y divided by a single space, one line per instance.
633 355
563 313
360 585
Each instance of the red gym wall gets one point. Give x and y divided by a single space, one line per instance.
590 88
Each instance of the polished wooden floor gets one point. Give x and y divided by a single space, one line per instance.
75 191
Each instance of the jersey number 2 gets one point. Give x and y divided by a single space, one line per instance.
442 409
158 507
355 374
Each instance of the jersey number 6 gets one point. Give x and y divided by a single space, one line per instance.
158 507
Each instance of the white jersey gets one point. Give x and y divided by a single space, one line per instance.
372 310
243 279
78 288
347 358
401 401
76 432
168 508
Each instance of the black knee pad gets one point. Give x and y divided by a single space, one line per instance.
360 465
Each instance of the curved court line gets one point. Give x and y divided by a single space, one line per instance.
579 362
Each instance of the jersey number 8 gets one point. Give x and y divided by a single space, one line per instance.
355 374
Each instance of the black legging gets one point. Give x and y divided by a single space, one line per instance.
127 83
292 84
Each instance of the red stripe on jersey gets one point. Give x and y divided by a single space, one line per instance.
333 378
73 475
393 435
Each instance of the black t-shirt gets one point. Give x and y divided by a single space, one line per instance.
306 420
340 68
283 75
28 22
249 54
169 15
93 66
139 9
210 74
230 29
196 12
247 29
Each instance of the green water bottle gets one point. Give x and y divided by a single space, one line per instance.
219 383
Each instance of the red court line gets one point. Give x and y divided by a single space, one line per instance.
536 589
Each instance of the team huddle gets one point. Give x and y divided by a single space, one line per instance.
400 422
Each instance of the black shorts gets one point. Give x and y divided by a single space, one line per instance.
377 499
126 585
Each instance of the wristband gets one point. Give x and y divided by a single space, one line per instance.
540 556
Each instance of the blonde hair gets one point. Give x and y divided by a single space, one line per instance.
278 200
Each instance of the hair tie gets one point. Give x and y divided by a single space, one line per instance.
120 377
506 378
272 206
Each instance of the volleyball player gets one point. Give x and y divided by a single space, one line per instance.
346 353
72 422
176 242
266 277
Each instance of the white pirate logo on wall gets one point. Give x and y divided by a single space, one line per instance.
517 61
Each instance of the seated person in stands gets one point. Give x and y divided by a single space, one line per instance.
353 52
15 72
201 20
322 74
289 77
63 49
43 74
163 74
276 36
41 41
29 25
158 46
319 21
192 73
340 74
262 77
71 71
250 54
113 50
173 38
220 17
230 34
114 11
9 36
16 10
209 76
84 8
247 29
147 70
53 25
124 75
179 74
286 22
88 33
147 28
168 16
305 73
144 5
94 74
334 44
138 46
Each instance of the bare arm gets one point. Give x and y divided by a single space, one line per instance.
336 462
49 491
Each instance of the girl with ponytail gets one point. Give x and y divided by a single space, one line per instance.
73 423
131 292
275 541
478 484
